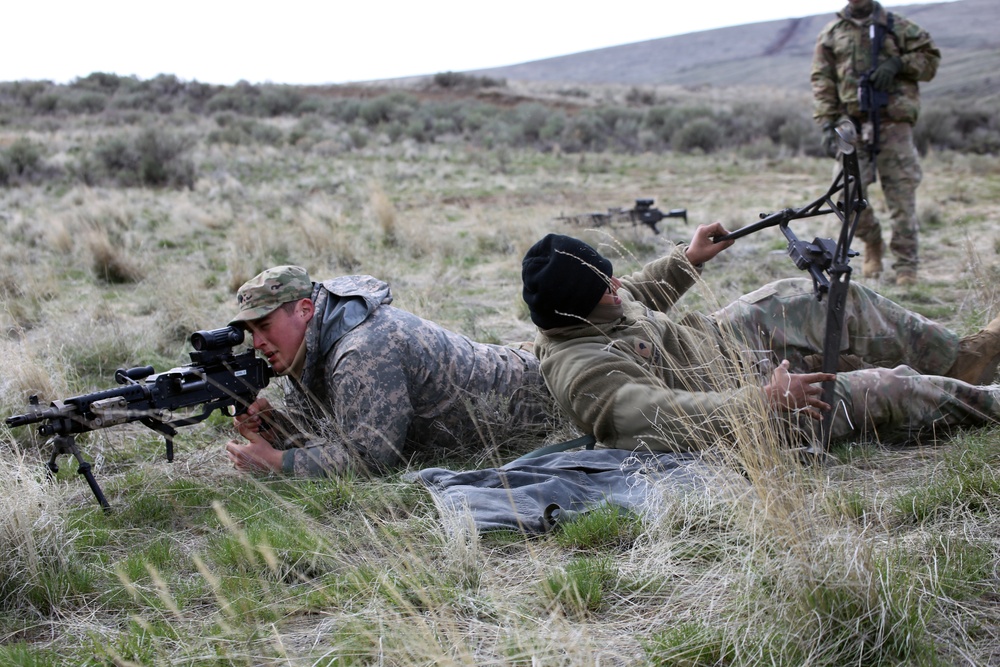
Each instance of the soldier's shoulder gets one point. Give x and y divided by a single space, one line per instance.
903 25
389 326
830 28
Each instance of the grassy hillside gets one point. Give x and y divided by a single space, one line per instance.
131 211
777 54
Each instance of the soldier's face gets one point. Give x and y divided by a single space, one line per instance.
859 4
279 335
611 298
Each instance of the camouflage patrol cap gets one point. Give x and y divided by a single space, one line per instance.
262 294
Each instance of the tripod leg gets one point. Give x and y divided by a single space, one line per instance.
52 466
68 444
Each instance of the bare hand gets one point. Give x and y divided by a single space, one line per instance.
797 391
255 420
256 454
702 247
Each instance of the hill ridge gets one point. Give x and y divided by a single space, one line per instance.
776 53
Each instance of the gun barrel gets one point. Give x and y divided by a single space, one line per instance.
24 420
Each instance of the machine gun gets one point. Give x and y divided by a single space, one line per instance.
216 379
826 261
870 99
642 213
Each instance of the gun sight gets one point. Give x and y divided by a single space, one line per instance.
216 339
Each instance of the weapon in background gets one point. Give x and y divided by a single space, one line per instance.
826 261
216 379
871 100
642 213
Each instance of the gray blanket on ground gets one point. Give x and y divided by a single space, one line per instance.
535 495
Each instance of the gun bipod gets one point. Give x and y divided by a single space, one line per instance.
66 444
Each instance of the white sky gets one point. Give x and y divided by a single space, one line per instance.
339 41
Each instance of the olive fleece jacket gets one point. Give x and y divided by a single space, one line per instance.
645 381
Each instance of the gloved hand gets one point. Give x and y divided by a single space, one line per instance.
831 142
885 74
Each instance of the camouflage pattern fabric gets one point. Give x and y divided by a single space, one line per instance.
905 395
842 55
902 403
398 385
899 168
269 289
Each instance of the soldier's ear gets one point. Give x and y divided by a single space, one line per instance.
306 308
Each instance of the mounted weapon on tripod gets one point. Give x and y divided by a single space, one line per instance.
827 261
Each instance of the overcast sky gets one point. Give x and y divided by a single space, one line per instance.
338 41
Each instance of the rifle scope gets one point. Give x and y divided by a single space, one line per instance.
216 339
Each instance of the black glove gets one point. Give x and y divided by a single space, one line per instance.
831 140
885 74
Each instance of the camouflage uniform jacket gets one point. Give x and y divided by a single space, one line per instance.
843 54
646 381
373 392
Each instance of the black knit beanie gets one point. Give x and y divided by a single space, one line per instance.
563 280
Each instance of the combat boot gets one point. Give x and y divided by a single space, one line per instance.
978 356
906 277
872 267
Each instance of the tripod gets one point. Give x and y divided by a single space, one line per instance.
66 444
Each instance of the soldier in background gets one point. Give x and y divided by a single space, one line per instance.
369 385
843 55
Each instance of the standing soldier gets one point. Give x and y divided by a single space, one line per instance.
880 94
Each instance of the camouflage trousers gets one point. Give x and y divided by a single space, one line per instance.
900 174
905 393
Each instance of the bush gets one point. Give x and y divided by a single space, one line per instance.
798 134
532 118
637 97
584 132
98 81
973 129
277 101
22 162
244 131
664 122
83 102
46 103
459 81
240 98
700 134
385 109
152 159
21 159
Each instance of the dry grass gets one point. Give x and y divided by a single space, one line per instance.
775 564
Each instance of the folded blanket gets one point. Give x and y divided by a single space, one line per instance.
534 495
